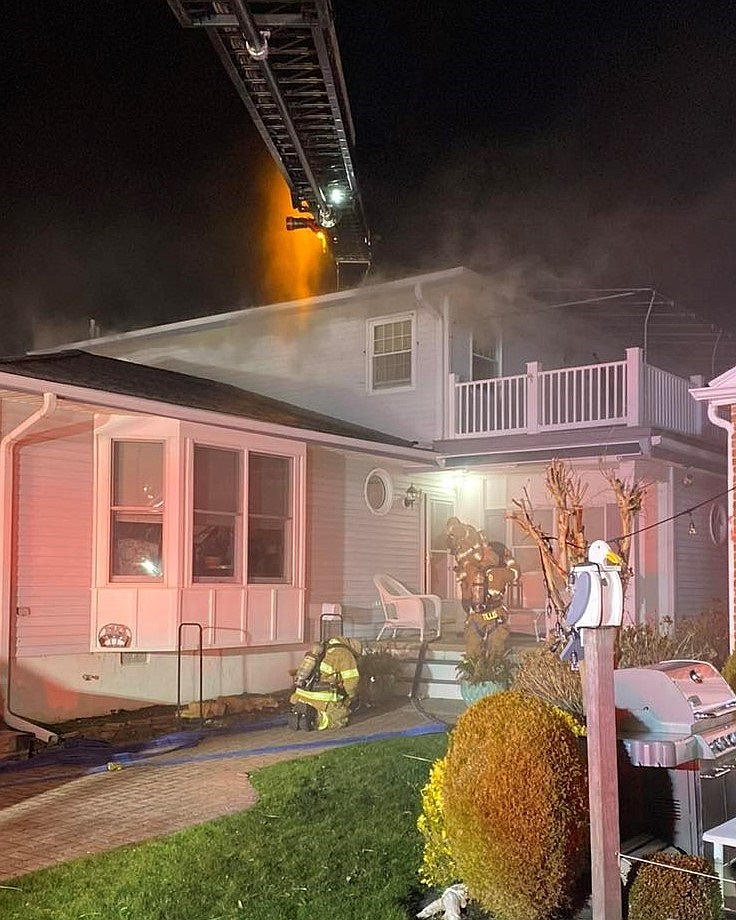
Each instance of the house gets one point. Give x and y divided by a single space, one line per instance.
720 397
148 515
495 387
195 480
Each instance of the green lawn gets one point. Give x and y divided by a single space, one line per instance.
332 837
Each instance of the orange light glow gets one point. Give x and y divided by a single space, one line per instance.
296 263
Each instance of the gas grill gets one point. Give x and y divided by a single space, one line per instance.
677 721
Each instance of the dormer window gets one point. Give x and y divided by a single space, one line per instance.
390 351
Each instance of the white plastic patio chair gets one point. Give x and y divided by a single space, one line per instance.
403 609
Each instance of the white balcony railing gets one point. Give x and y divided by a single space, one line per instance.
626 392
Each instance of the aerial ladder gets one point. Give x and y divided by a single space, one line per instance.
283 59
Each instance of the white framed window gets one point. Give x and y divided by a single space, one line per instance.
378 491
390 351
217 514
137 510
270 518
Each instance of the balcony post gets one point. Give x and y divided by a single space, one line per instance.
533 370
635 396
698 408
450 420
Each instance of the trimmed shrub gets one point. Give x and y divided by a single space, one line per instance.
516 807
659 893
438 868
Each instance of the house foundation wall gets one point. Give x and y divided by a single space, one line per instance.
54 689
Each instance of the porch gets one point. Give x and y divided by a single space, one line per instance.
628 393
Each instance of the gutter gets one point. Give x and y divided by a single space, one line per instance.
7 483
727 425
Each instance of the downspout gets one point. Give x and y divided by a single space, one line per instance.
7 457
727 425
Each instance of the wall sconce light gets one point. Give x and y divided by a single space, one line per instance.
412 494
691 528
687 479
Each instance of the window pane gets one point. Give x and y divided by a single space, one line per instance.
392 369
137 474
268 550
391 354
269 518
390 337
269 485
216 479
136 544
214 546
376 492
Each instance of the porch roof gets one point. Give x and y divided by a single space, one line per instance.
608 444
124 378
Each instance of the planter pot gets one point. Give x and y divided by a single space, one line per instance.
473 692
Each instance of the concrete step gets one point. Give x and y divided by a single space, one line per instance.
438 676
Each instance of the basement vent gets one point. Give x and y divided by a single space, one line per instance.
129 658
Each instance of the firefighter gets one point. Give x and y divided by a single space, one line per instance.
326 685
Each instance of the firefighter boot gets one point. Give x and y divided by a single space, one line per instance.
307 717
302 716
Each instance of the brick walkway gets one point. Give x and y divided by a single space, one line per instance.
53 814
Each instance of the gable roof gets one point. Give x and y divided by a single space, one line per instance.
212 321
101 374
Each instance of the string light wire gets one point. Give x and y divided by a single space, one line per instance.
673 517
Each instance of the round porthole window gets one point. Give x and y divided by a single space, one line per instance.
378 491
718 524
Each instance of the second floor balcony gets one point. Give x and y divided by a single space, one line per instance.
628 393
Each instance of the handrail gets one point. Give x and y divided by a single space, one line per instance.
198 627
628 393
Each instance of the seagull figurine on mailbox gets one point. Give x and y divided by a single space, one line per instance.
597 597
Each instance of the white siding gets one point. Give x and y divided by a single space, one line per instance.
314 357
348 544
700 568
54 545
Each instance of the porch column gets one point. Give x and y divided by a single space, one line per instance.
533 396
698 409
636 410
451 414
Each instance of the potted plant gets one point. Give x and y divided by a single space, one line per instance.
488 672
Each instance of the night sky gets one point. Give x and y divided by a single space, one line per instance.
552 144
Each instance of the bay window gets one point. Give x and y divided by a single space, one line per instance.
137 510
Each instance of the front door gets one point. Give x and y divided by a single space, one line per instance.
439 576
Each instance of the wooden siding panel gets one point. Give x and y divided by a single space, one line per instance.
54 545
377 543
325 526
347 544
700 567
